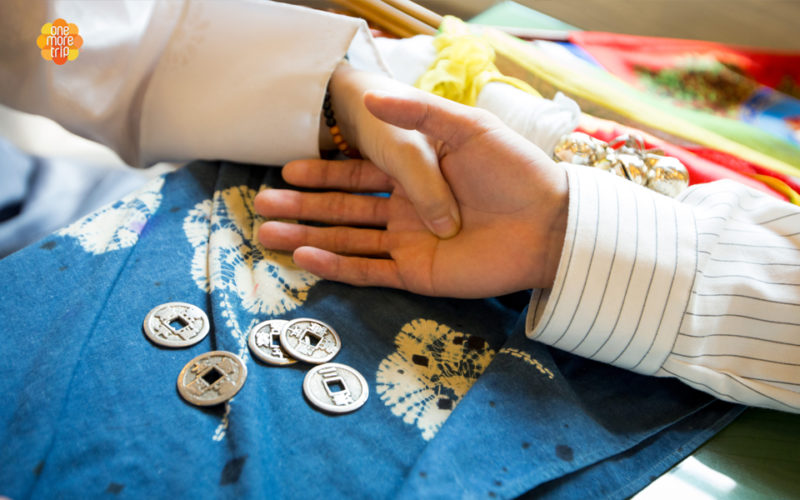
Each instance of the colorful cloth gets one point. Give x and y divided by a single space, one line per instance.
757 87
550 68
461 403
703 164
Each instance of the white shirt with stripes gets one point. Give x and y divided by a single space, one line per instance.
704 288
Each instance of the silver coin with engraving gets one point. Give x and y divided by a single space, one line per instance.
265 342
310 340
212 378
335 388
176 324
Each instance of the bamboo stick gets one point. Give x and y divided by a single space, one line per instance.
397 16
393 20
417 11
374 18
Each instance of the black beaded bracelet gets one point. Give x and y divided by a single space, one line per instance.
336 133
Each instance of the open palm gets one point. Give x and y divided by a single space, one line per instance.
512 200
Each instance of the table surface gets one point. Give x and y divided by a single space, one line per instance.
758 455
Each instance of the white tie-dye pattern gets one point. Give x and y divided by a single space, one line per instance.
227 259
266 282
119 224
432 369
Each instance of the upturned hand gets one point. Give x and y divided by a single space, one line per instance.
511 196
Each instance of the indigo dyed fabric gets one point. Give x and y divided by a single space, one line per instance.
461 404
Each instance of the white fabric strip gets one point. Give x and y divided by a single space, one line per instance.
707 290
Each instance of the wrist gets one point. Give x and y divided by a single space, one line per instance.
345 98
556 234
555 211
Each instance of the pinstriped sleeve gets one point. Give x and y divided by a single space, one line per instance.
705 289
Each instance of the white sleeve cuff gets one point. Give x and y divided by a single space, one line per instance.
242 81
625 274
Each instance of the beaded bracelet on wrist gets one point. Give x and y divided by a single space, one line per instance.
336 133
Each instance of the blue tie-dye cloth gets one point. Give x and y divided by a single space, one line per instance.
461 404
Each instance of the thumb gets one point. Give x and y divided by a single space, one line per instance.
434 116
415 166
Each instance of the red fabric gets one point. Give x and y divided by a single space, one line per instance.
737 78
619 54
740 165
700 169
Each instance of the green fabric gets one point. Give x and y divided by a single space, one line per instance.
514 15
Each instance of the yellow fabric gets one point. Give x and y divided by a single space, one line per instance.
463 65
779 186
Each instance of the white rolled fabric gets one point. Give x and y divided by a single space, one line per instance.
541 121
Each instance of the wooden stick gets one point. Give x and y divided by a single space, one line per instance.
372 17
397 16
387 17
417 11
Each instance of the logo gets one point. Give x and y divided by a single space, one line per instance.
59 41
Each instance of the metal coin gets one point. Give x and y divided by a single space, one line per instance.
211 378
335 388
579 148
667 175
310 340
265 342
633 168
176 324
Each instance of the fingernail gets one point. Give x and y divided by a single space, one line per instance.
444 227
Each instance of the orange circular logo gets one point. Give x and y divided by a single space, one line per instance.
59 41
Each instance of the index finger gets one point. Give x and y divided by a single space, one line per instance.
348 175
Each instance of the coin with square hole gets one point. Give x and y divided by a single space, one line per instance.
212 378
310 340
265 342
335 388
176 324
